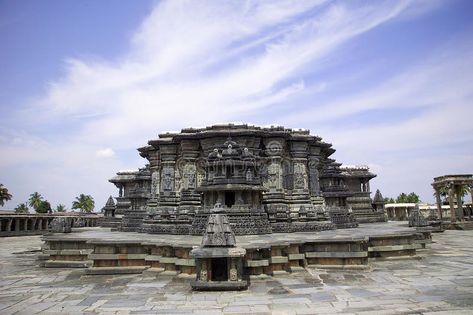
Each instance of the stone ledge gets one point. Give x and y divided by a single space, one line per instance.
153 258
115 270
393 248
168 260
185 262
278 260
349 267
66 264
116 256
170 273
296 256
279 273
336 254
297 269
403 257
153 270
257 263
219 285
259 277
67 252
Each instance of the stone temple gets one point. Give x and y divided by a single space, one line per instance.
267 180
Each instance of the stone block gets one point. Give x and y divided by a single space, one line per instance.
278 260
257 263
296 256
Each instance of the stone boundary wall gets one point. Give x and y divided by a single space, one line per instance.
120 256
33 224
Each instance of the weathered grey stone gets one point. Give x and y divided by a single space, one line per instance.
61 225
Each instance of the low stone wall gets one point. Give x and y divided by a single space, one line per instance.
132 256
32 224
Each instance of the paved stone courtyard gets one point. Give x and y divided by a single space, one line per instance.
440 282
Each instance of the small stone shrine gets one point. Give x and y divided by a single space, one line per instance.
109 215
219 263
378 202
110 208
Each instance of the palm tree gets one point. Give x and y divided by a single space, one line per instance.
84 202
35 200
22 208
61 208
44 207
4 195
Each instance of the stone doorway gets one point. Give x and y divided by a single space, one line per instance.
229 198
219 269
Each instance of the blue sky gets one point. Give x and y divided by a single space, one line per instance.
85 83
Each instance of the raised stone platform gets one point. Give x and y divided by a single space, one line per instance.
270 254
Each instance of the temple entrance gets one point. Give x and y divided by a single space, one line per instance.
219 269
229 198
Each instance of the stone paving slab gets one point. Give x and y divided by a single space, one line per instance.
441 282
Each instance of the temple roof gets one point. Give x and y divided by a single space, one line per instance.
218 232
378 197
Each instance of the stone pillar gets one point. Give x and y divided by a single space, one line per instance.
238 198
452 207
25 225
439 203
459 202
314 183
17 225
40 224
471 209
9 225
221 197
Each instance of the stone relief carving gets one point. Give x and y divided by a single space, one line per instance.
273 176
299 176
189 176
233 274
203 275
168 178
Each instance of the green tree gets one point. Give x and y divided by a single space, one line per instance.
84 202
61 208
389 200
411 198
22 208
4 195
44 207
35 200
402 198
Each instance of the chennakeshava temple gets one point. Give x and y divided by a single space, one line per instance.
265 180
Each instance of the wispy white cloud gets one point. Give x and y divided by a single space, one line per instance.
193 63
105 153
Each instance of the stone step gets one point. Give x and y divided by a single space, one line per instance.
115 270
67 264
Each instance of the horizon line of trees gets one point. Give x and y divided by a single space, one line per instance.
404 198
83 203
